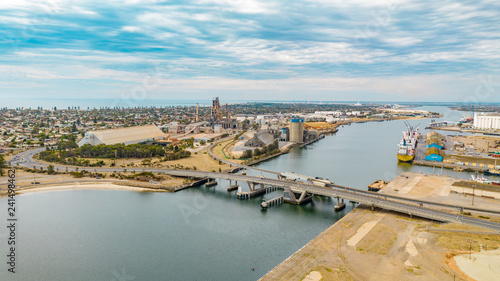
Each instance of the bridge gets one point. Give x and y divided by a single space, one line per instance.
370 199
413 207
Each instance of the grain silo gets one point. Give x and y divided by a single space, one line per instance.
297 130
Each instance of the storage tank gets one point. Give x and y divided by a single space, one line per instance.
297 130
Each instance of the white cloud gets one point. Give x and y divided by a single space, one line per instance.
402 42
131 28
260 51
245 6
167 20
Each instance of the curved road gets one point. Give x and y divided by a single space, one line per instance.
209 149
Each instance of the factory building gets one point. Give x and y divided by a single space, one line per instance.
129 135
260 139
297 130
486 121
285 134
218 118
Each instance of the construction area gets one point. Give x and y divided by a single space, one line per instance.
382 245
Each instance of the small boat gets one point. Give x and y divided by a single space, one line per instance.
497 183
458 169
377 185
481 180
492 172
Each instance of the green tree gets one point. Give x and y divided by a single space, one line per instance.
2 164
247 154
50 170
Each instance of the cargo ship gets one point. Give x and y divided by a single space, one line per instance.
408 144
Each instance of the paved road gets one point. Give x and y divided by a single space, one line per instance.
372 199
232 163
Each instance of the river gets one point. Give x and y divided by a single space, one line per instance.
199 233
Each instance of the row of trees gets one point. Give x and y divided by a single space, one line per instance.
68 152
2 165
267 150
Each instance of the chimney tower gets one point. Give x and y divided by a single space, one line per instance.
197 118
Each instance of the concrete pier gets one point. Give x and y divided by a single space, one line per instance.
272 202
340 205
211 183
254 191
232 186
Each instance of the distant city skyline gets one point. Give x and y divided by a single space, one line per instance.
318 50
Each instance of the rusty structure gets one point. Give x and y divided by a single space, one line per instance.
217 117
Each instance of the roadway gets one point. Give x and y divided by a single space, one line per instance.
232 163
394 203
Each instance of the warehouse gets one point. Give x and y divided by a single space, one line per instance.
487 121
129 135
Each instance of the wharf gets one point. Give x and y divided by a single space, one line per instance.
384 245
272 202
439 165
255 192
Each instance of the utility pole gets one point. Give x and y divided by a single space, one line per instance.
473 192
470 248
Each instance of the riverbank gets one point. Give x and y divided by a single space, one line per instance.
84 185
24 183
383 245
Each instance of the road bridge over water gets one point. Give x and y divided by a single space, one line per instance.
404 205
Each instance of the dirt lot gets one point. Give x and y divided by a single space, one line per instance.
383 245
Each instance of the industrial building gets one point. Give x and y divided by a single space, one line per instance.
260 139
297 130
129 135
217 117
486 121
285 134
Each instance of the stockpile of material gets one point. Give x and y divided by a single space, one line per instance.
434 151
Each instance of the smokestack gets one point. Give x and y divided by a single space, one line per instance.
197 113
227 113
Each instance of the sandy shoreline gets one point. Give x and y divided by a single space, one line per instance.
80 186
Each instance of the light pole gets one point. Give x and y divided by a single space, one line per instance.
470 248
473 192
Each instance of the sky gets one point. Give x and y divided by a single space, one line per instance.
318 50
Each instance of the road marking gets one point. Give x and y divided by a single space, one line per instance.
409 187
363 230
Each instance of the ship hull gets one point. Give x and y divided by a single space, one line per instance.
405 158
488 172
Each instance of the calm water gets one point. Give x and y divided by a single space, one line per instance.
125 101
199 233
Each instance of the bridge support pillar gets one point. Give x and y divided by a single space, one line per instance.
340 205
297 198
251 185
232 186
